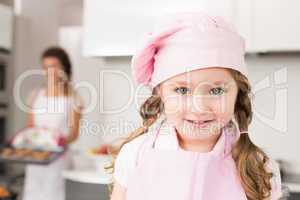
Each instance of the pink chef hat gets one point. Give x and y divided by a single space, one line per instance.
190 41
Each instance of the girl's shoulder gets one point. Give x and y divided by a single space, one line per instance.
126 159
133 146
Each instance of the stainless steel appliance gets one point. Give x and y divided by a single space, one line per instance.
3 100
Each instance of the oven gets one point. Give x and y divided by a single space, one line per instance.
3 101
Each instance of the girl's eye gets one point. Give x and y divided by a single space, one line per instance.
217 91
182 90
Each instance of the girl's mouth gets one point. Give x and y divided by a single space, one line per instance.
200 123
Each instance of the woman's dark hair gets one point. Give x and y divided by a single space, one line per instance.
62 56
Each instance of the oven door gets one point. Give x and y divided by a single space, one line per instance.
3 102
3 122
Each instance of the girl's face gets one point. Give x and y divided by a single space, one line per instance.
53 69
199 103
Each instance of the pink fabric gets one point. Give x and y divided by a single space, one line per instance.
184 175
189 41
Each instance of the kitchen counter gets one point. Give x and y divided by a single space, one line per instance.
87 176
293 187
86 179
87 169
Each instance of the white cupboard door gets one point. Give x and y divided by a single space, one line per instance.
116 28
6 22
276 25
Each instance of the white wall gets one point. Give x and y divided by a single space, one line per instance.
112 92
272 130
71 12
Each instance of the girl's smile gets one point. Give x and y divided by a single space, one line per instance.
199 124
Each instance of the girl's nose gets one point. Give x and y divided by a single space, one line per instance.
198 104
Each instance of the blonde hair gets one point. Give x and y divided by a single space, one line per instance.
250 160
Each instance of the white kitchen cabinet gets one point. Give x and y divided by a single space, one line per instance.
6 22
115 28
242 16
276 25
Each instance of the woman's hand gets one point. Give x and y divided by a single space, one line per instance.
62 141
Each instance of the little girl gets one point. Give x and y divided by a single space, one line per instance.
199 147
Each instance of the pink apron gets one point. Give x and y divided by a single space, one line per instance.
163 174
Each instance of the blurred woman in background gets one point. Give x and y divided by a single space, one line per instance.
63 112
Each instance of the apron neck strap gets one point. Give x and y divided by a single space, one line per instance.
155 136
232 135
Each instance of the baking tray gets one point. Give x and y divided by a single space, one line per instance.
27 158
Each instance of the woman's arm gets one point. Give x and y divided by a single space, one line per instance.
30 121
118 192
30 101
75 116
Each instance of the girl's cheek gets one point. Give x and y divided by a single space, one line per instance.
174 105
224 110
218 105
